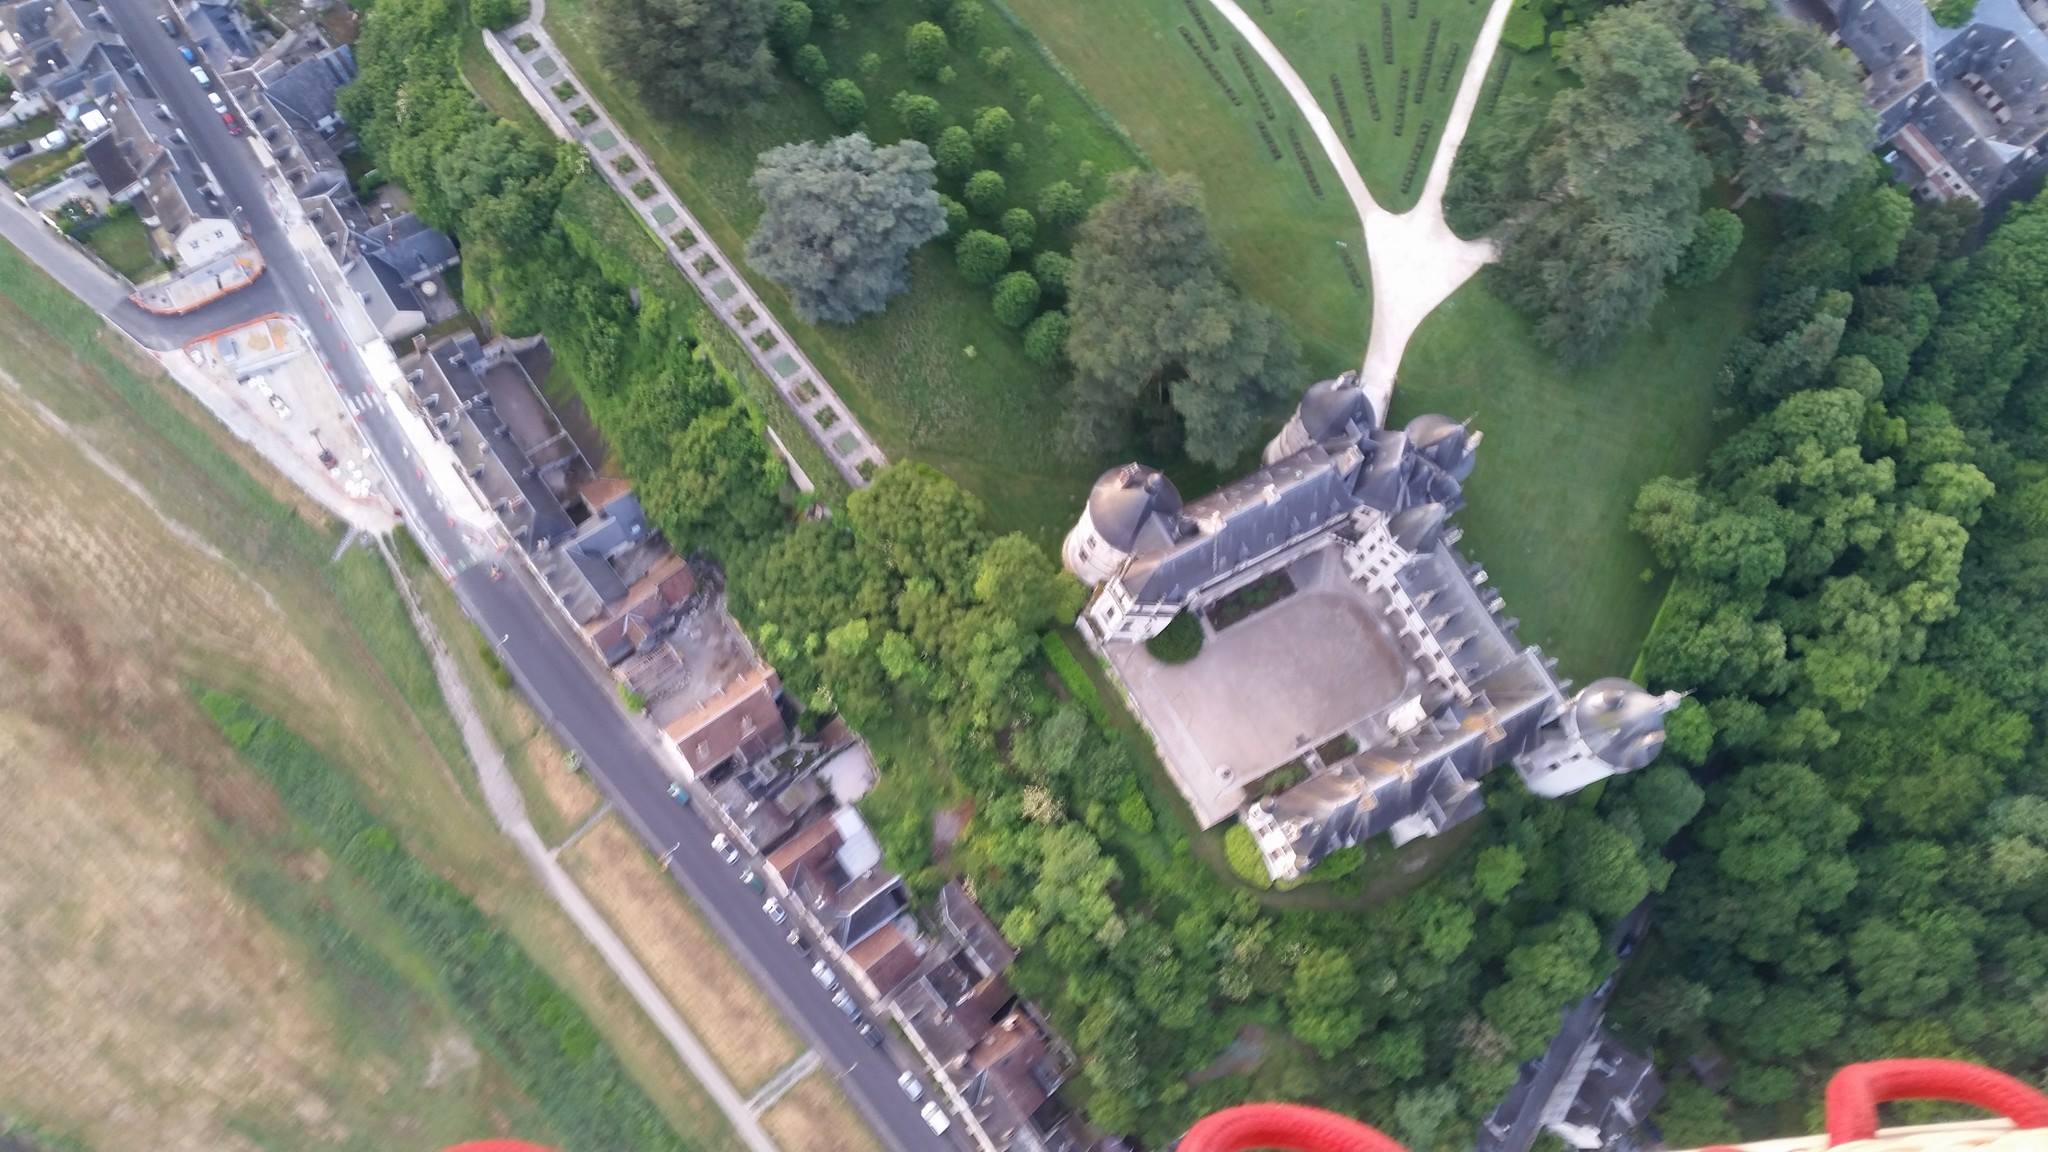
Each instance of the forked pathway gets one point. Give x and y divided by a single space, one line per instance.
1416 260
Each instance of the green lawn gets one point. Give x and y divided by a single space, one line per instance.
935 376
1323 40
39 124
1282 240
1567 448
123 242
33 171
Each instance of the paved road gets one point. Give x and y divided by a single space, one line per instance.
551 665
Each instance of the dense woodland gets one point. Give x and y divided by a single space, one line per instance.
1855 576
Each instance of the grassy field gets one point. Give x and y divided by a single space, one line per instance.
745 1034
1567 448
31 171
815 1117
1323 42
123 242
1281 238
174 944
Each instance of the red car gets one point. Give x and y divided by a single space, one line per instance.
234 125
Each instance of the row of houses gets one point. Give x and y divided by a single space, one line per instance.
659 623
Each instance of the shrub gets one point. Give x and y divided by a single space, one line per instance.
792 26
1013 156
1134 811
964 18
824 9
1180 642
1016 299
1525 27
845 102
1337 865
633 701
496 14
956 216
1953 13
985 190
1713 245
982 256
810 65
1243 853
925 48
920 115
947 75
954 152
1019 229
500 675
1061 204
999 61
1073 676
1045 341
1052 269
992 128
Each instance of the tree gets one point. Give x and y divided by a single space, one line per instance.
1603 872
992 128
926 49
982 256
919 114
1497 872
1953 13
964 18
492 14
718 483
956 217
840 221
1061 204
812 68
1714 243
954 152
847 104
1016 299
1019 229
1154 315
1052 270
1015 576
1423 1115
1321 1011
699 57
985 191
791 26
1045 341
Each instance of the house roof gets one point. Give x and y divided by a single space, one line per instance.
888 956
110 163
408 245
306 90
720 726
384 292
228 26
811 844
975 931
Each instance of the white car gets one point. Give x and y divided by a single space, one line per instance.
822 973
278 403
933 1118
723 845
199 74
774 910
910 1085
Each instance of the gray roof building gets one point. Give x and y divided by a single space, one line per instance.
1599 1104
1443 691
1961 111
44 44
221 25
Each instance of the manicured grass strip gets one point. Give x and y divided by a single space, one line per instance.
123 242
542 1036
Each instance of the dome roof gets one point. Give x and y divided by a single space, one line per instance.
1330 407
1418 528
1431 428
1620 722
1124 498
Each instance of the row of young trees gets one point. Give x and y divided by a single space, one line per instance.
1596 198
1856 606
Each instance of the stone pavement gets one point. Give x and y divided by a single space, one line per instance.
538 71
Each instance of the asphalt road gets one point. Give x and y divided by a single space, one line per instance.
556 670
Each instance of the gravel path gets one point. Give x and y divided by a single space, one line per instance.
1416 260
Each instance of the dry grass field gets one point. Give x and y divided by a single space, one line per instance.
815 1117
720 1002
181 967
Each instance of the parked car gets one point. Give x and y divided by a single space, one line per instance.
190 56
679 794
869 1033
234 125
277 402
773 908
934 1119
199 74
752 879
910 1085
15 151
822 973
169 26
213 98
723 845
845 1004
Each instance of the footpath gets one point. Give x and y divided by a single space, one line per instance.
541 73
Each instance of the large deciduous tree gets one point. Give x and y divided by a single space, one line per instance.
1153 316
700 57
842 219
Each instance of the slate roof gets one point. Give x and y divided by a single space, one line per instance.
385 293
407 244
110 163
305 91
226 25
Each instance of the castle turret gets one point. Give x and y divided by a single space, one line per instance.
1444 442
1613 726
1330 408
1125 502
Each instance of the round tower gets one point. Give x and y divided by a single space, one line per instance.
1613 726
1445 442
1120 505
1330 408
